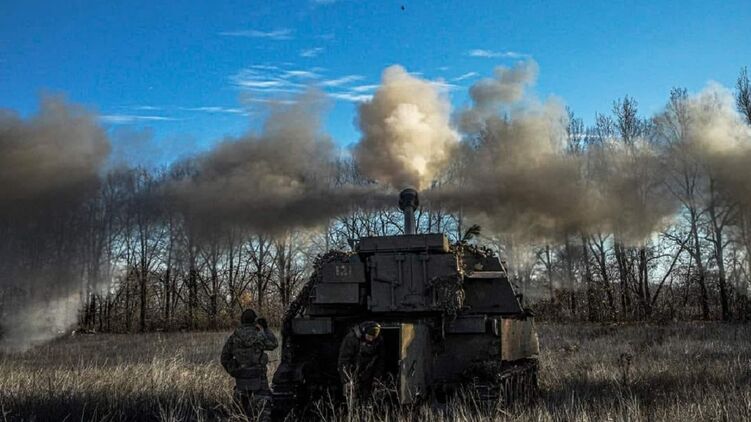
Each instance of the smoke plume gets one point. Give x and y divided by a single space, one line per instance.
53 157
406 134
629 181
520 175
717 137
507 87
273 181
514 173
49 165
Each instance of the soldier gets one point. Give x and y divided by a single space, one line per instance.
361 359
244 357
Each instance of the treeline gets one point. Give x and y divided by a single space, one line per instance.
696 267
153 268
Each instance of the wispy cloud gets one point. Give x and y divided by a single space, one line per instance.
490 54
349 96
118 119
146 108
266 79
267 83
301 74
275 78
442 85
341 81
215 110
277 34
249 82
271 78
250 99
363 88
264 67
311 52
465 76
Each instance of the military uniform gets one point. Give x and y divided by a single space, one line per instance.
244 357
361 362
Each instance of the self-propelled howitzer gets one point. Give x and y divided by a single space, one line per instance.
449 314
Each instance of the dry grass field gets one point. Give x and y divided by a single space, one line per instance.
686 372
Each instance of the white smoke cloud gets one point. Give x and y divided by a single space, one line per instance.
406 134
717 136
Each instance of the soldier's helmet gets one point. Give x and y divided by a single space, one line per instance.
248 316
371 328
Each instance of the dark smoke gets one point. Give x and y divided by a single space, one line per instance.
49 167
271 182
53 158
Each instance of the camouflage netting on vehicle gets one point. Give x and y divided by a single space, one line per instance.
303 297
449 290
449 294
460 249
301 301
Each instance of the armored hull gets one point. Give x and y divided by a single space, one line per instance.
450 319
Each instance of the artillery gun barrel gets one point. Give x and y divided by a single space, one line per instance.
408 203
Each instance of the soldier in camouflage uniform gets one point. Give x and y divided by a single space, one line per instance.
361 359
244 357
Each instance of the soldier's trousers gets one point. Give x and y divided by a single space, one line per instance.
254 398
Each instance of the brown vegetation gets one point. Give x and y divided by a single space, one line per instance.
687 371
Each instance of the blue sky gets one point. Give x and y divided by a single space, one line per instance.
191 72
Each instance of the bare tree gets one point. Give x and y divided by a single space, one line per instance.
743 101
545 257
686 182
598 246
260 253
149 234
720 213
743 96
290 267
238 280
